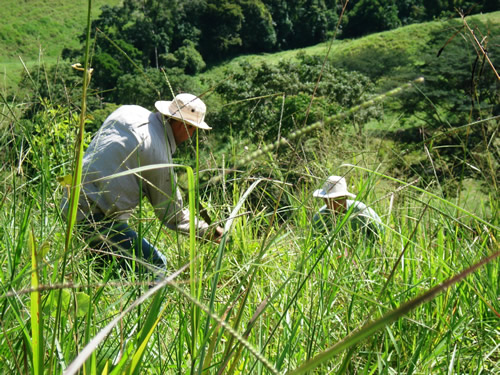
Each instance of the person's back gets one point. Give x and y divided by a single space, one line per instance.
130 137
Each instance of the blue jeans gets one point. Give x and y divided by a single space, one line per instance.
121 239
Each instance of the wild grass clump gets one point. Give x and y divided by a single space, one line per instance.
285 294
274 296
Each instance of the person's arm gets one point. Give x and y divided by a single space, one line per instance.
169 208
160 185
167 202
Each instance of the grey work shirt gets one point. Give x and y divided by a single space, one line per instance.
362 218
132 137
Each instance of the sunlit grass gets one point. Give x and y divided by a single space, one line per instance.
307 294
273 296
34 29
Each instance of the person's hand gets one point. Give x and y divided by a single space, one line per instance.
217 234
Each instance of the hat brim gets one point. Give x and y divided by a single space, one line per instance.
323 194
163 107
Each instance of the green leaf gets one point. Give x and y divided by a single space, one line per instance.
82 304
36 314
51 305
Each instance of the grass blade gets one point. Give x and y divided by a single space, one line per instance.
371 327
101 335
147 332
36 311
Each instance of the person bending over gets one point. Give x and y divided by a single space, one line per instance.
133 137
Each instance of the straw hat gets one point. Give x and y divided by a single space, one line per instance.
185 107
334 187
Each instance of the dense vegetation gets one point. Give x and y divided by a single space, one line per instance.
188 35
273 297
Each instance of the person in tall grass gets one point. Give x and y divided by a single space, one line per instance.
133 137
361 219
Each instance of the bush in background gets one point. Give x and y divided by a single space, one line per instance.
260 101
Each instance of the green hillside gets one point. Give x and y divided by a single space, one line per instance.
40 29
356 54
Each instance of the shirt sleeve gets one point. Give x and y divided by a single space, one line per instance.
160 184
166 199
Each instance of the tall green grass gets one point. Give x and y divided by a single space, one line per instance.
278 290
272 297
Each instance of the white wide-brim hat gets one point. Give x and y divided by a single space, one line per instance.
334 187
186 108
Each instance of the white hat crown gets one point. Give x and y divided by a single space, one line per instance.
334 187
185 107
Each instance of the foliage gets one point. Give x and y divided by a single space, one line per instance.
158 29
271 279
187 58
273 296
458 78
108 68
445 8
461 84
60 84
263 100
144 89
149 34
50 134
460 88
365 17
221 29
257 28
370 16
302 23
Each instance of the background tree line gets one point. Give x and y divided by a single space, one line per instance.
188 35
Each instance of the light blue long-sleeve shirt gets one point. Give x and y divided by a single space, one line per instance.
132 137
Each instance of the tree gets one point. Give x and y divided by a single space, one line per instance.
147 87
187 58
369 16
220 24
301 22
411 11
310 26
257 31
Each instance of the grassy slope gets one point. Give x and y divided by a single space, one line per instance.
411 39
36 28
33 28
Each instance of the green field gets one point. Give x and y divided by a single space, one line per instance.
37 31
275 296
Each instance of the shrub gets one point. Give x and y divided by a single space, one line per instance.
145 88
51 135
259 100
186 58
